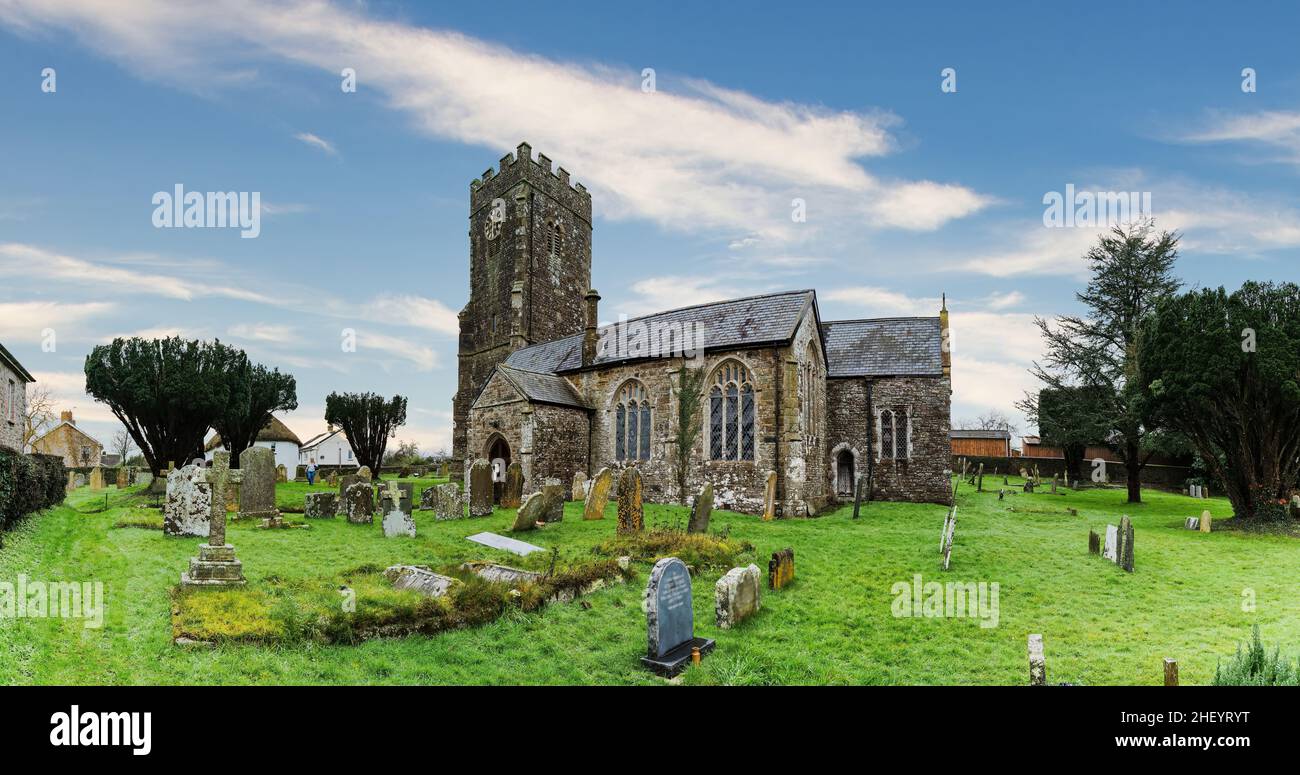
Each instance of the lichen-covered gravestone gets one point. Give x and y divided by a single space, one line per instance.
281 474
631 513
598 495
96 478
216 565
1205 522
421 580
358 503
346 481
553 489
737 596
780 569
480 488
218 478
1125 560
579 490
188 511
321 505
701 510
1037 662
513 491
257 490
532 510
427 498
769 497
123 478
363 473
670 619
449 503
398 523
394 495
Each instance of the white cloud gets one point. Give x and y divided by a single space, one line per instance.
1278 129
25 321
692 156
264 332
881 302
407 310
422 357
317 142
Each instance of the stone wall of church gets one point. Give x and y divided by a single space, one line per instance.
546 440
923 475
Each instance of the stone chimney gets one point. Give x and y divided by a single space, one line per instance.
66 416
590 337
945 340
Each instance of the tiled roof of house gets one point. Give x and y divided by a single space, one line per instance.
883 347
979 433
546 388
730 324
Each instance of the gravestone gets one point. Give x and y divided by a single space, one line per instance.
1110 550
363 473
737 596
528 514
449 503
188 511
1205 522
392 495
631 515
1192 523
216 564
1037 662
398 523
598 495
257 490
780 569
769 497
1055 477
670 619
1205 491
443 471
123 478
427 498
480 488
979 485
553 490
358 503
512 545
950 530
320 505
281 475
701 510
1094 542
72 482
417 579
858 486
579 490
218 478
96 478
1295 506
81 480
502 573
346 481
513 491
1126 543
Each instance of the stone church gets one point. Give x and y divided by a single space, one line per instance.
821 403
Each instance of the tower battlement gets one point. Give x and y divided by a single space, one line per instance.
539 172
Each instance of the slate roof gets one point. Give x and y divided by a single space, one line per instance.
544 388
8 359
883 347
753 320
979 434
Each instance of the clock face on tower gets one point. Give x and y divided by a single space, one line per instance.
492 229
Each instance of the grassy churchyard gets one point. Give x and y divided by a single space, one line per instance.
835 624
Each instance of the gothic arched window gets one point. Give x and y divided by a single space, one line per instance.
632 422
731 414
809 374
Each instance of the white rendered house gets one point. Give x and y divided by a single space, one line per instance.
330 448
276 436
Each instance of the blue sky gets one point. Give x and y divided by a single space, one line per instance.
910 191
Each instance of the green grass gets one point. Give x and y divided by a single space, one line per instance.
833 625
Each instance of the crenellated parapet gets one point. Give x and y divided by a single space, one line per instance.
539 172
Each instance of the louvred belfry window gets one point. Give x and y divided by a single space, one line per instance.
731 414
632 423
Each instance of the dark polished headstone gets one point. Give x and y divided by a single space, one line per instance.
670 619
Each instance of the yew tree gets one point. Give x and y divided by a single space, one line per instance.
255 393
368 420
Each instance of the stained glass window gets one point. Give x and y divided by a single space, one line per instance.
886 434
900 435
632 423
731 414
620 436
715 423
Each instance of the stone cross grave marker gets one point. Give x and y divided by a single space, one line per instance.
670 619
216 564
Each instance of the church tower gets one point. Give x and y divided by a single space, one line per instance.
529 270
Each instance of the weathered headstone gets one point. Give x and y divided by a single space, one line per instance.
257 490
1094 542
188 511
392 495
553 490
1110 550
859 486
417 579
480 488
96 478
769 497
521 548
123 478
359 504
281 474
1192 523
398 523
218 478
1205 522
670 619
737 596
502 573
216 565
449 503
81 480
579 490
364 474
780 569
346 481
598 495
528 514
1205 491
513 492
1171 672
72 482
320 505
428 496
1037 662
1126 543
701 510
631 515
443 471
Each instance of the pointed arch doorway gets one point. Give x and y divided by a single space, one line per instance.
498 454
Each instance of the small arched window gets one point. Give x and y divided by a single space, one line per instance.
731 413
633 420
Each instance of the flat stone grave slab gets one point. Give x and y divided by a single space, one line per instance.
521 548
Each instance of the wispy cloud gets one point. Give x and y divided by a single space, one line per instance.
1277 129
264 332
26 321
317 142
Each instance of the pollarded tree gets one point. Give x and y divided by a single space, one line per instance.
167 392
1222 370
255 393
368 420
1132 270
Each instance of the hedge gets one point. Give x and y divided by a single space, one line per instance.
28 483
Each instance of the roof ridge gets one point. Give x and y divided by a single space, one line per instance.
772 294
876 320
